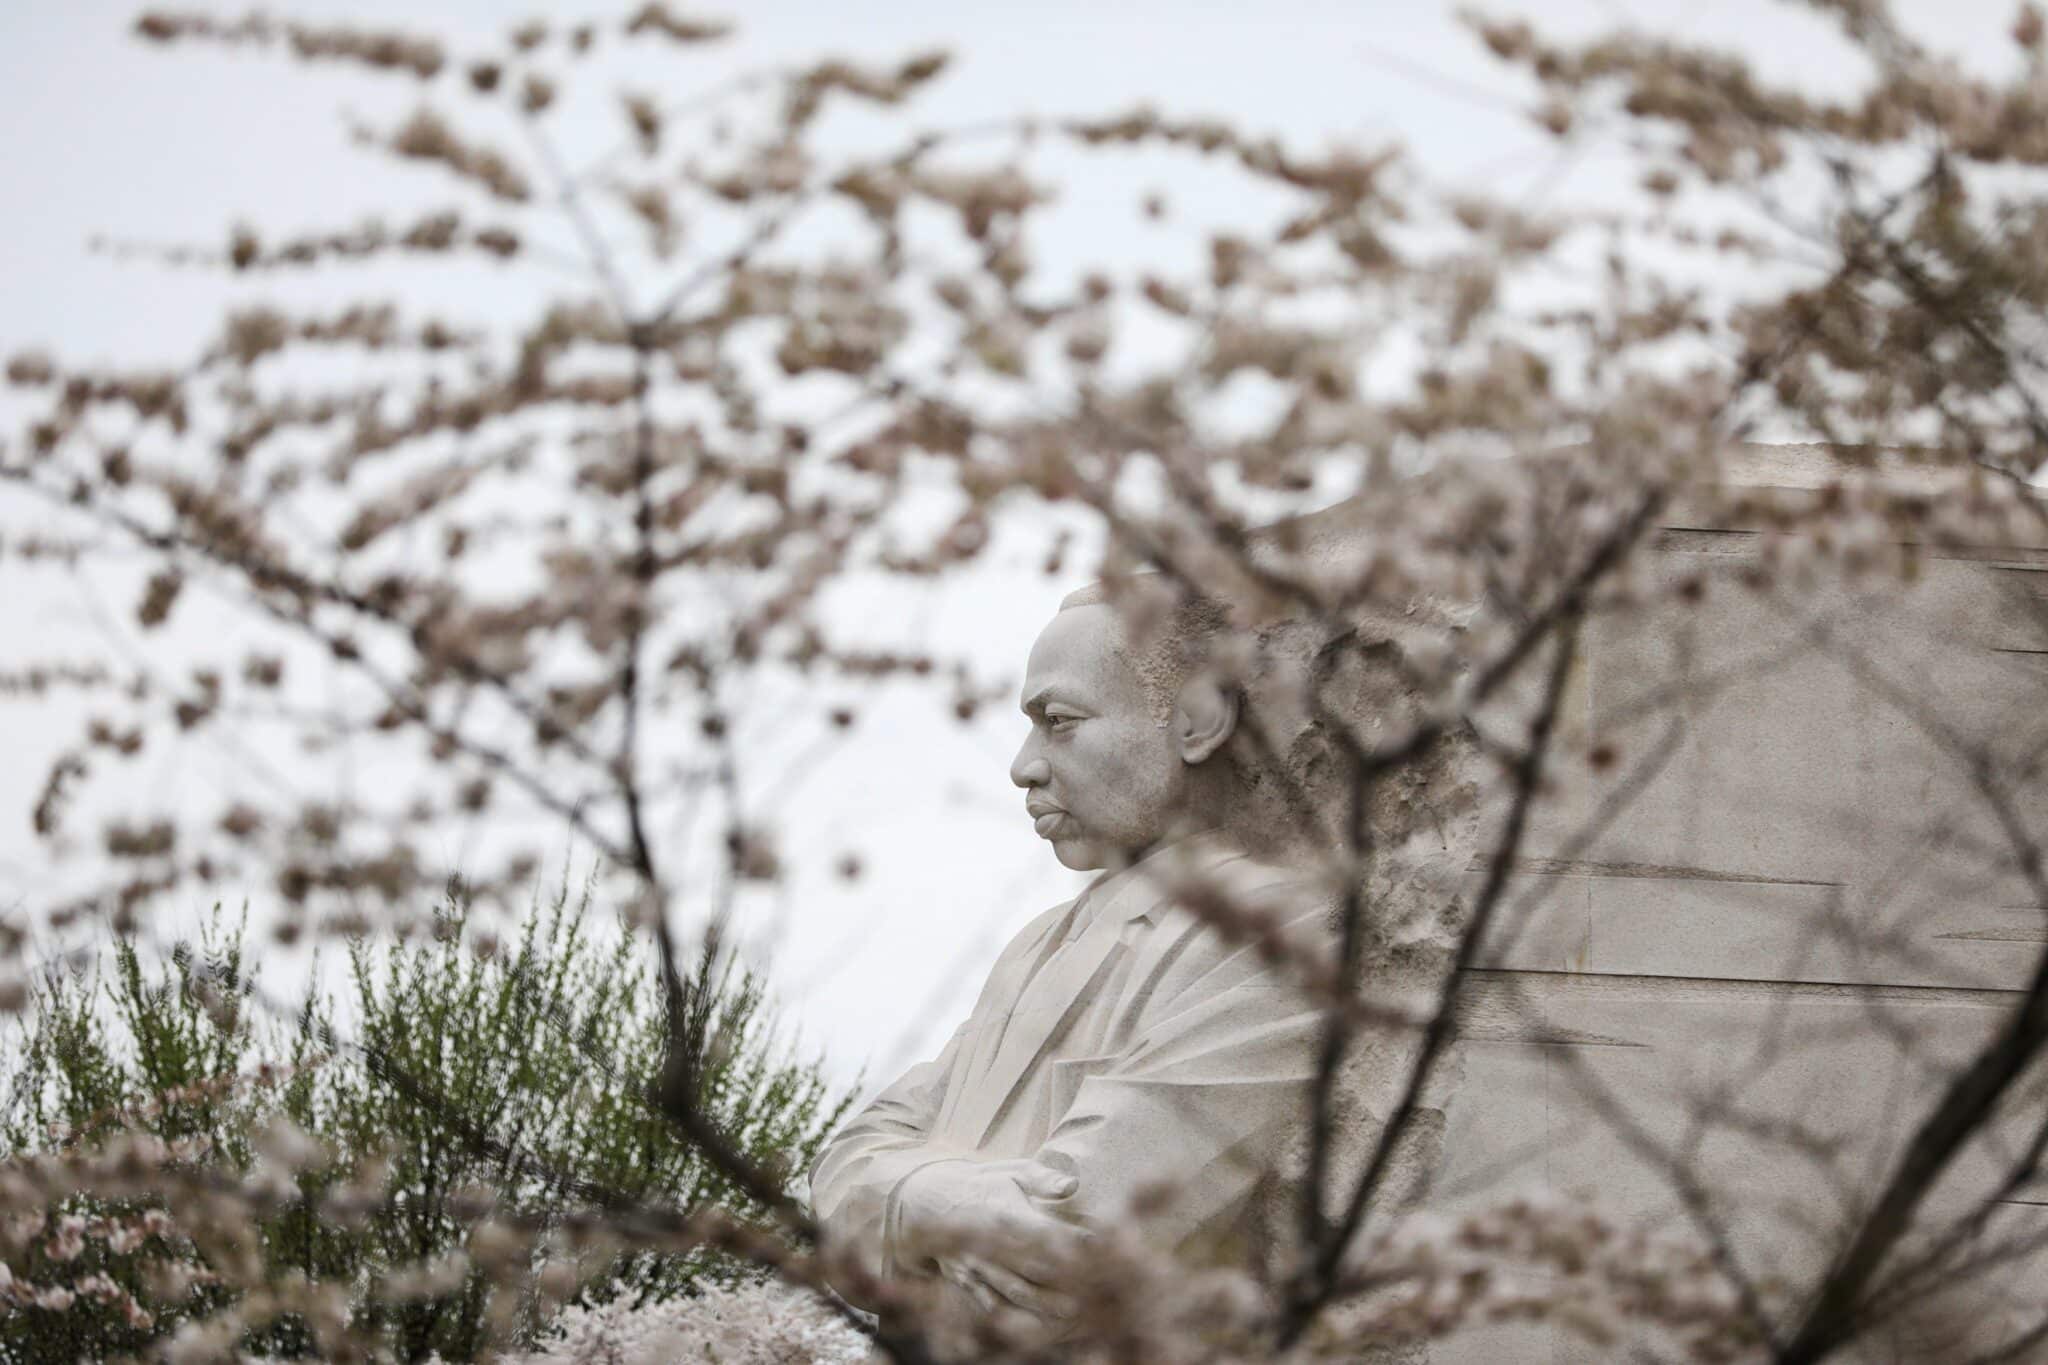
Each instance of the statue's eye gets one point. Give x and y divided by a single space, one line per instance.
1060 721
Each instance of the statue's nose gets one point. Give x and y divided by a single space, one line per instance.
1030 772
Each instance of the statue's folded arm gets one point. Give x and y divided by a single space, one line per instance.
855 1181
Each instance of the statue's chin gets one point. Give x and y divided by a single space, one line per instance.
1078 854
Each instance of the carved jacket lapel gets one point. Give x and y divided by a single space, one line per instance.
1049 1002
992 1007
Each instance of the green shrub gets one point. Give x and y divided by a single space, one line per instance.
521 1068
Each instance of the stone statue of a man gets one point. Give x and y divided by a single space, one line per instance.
1124 1054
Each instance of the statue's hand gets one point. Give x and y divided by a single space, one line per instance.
983 1225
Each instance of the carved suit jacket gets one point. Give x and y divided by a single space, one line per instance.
1119 1039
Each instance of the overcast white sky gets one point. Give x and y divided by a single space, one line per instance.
101 134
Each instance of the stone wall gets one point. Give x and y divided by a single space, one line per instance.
1756 973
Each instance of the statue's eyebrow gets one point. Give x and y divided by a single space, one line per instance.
1039 700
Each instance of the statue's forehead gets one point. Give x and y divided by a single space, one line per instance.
1081 651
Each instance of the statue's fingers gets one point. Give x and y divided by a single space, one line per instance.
1045 1250
966 1273
1022 1293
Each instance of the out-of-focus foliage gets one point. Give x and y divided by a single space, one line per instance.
481 1075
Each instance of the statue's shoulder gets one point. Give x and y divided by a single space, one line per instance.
1277 886
1289 894
1219 933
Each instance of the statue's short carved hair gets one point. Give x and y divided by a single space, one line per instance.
1169 632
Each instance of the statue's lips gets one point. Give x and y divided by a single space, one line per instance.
1045 819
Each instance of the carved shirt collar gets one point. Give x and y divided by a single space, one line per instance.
1138 891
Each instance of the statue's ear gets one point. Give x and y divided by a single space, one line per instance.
1204 716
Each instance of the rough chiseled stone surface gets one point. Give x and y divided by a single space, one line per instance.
1769 962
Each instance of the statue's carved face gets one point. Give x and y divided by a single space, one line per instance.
1102 775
